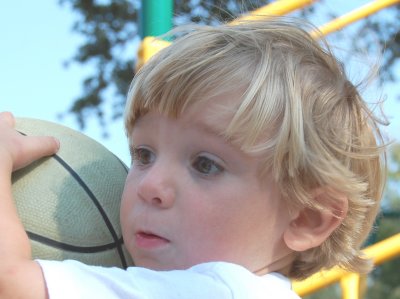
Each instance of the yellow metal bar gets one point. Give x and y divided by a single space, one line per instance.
355 15
318 281
379 253
384 250
148 47
351 286
277 8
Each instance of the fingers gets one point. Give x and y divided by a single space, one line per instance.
17 150
7 118
34 148
40 146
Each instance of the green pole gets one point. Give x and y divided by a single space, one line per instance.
155 17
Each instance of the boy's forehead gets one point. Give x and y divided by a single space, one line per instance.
215 113
200 120
211 113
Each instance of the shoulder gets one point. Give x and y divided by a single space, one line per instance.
245 284
71 279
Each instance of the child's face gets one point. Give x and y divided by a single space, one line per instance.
191 197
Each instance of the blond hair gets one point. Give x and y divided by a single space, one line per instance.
298 110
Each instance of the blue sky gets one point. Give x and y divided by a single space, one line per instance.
36 38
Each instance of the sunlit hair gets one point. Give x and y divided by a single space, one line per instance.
298 110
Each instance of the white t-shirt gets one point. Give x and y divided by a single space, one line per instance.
219 280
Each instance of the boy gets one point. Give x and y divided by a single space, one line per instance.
254 160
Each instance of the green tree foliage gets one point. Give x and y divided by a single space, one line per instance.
110 30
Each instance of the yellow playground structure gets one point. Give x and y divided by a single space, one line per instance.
351 283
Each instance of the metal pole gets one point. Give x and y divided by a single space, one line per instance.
155 17
278 8
354 16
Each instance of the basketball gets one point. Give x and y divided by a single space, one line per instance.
69 202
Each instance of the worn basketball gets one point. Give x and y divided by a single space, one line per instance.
69 202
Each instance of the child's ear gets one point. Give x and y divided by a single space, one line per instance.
309 228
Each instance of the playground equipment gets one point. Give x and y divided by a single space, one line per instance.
156 19
352 284
355 15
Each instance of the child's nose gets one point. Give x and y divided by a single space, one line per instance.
157 187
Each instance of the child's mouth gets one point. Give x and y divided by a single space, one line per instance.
148 240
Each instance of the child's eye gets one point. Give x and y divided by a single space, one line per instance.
207 166
142 156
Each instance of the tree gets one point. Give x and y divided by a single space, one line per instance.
110 29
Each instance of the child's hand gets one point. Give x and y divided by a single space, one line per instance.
16 150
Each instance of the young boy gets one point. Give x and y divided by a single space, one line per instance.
254 160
